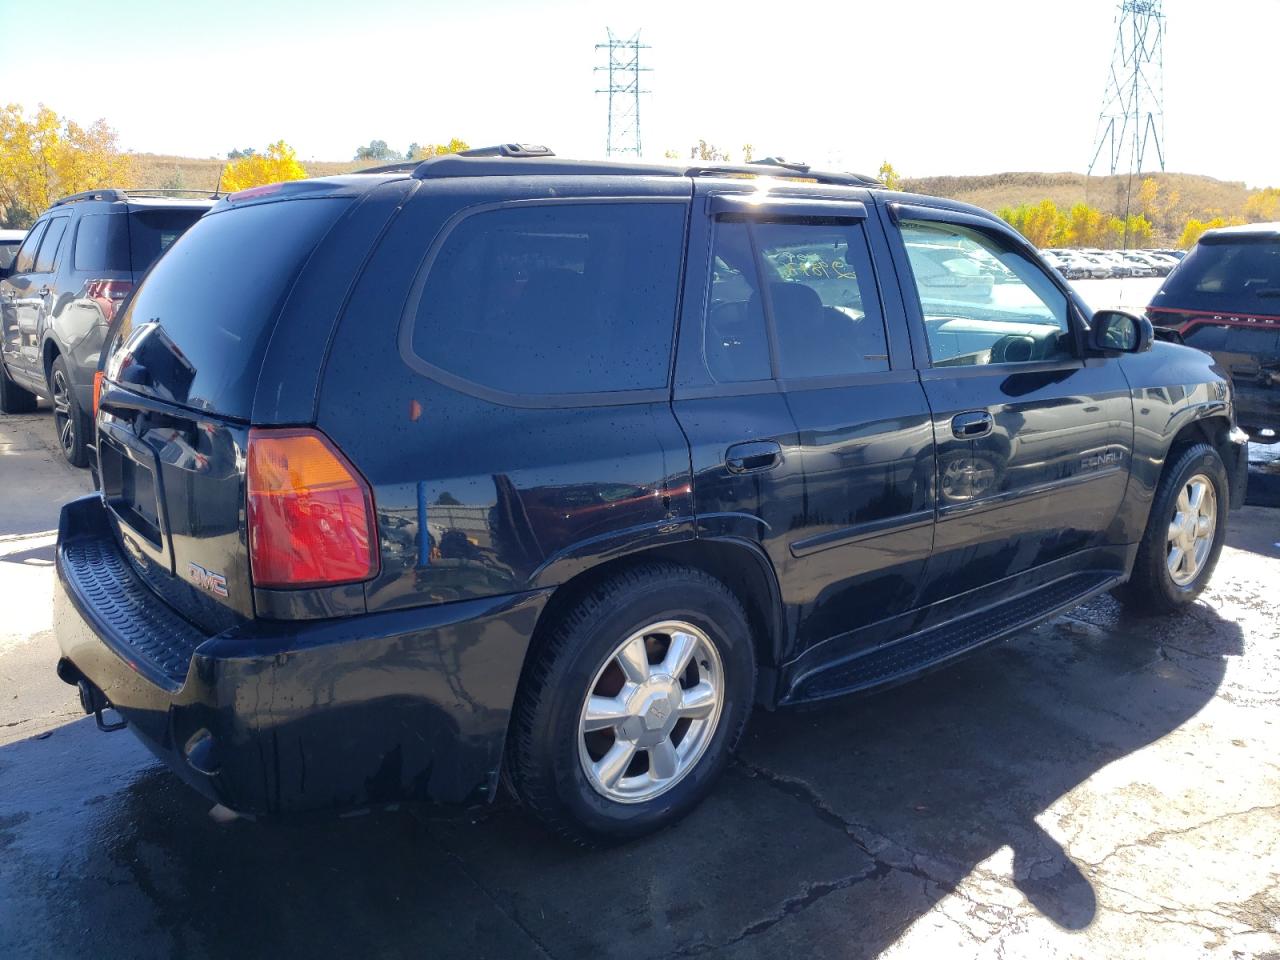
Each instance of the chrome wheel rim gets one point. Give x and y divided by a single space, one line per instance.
1195 520
650 711
63 419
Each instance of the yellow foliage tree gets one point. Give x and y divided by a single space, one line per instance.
1134 231
1042 223
1263 206
1195 228
45 157
1085 227
276 164
439 149
889 176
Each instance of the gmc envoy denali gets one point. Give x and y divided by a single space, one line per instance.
507 469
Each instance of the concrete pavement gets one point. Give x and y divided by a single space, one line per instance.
1097 787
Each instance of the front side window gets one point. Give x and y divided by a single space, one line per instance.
26 258
550 299
984 301
812 278
47 258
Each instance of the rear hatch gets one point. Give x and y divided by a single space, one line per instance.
181 373
1224 298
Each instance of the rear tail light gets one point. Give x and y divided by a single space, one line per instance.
108 294
97 390
311 520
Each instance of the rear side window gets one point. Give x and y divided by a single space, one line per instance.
196 329
102 242
47 258
26 258
812 278
553 299
8 251
1240 274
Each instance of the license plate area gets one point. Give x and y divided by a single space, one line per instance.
131 491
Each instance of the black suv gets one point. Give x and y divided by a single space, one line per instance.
80 259
1224 297
508 468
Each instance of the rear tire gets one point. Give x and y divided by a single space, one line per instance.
1184 535
610 737
13 398
69 421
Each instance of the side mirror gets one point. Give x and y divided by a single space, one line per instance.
1116 331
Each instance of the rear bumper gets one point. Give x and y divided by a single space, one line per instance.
277 716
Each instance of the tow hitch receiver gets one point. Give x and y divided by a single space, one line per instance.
93 701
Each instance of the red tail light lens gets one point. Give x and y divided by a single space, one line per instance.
108 294
311 520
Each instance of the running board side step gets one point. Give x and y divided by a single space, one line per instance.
901 659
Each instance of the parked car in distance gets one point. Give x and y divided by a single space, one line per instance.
77 264
10 240
1140 266
501 468
1225 298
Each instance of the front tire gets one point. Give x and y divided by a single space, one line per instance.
1184 534
631 708
69 421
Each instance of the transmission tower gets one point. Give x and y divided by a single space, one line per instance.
1132 117
623 69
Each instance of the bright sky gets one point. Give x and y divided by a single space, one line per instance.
935 86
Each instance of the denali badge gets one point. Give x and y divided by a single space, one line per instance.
215 583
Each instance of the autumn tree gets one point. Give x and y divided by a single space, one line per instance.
436 149
889 176
275 165
748 152
45 157
1132 231
1195 228
708 152
1042 223
1263 206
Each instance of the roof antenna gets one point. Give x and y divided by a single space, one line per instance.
217 190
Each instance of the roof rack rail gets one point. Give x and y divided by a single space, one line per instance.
113 194
104 194
405 165
778 167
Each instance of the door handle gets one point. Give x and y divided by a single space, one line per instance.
975 423
752 455
44 291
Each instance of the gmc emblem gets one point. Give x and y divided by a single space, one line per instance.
207 580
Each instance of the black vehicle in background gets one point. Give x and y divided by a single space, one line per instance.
502 468
79 261
1224 297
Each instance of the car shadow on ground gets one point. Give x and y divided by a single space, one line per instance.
836 829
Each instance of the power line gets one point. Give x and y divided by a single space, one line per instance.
623 69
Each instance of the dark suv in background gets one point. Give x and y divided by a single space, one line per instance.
1224 297
79 261
506 468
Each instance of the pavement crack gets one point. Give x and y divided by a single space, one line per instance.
1158 836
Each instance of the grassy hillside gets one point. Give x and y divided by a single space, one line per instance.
195 173
1199 196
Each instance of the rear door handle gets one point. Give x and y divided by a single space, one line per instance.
975 423
752 455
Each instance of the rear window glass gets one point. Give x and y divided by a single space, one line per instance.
555 299
152 231
1235 275
196 329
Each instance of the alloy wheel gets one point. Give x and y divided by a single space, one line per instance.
1190 538
63 416
651 711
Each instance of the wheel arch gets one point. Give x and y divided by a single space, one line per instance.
1215 430
739 564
